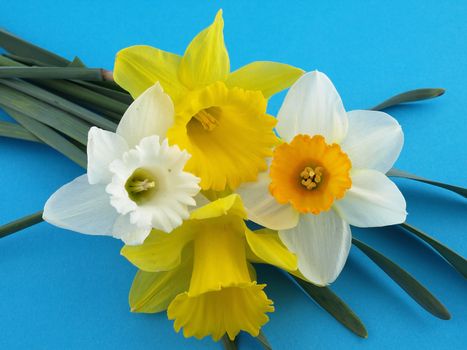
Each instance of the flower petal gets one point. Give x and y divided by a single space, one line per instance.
372 201
152 113
313 106
153 291
103 148
374 140
230 205
321 243
268 77
263 208
160 251
267 246
206 59
129 233
137 68
81 207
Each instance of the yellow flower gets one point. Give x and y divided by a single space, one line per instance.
221 117
202 273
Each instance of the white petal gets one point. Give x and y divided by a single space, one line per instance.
81 207
374 140
263 208
129 233
103 147
313 106
321 243
152 113
372 201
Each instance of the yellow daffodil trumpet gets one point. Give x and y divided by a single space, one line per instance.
201 272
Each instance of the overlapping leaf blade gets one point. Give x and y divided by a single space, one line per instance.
335 306
408 283
457 261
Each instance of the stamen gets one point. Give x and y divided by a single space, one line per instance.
137 186
208 121
311 177
141 186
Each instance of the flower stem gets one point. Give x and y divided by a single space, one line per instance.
21 224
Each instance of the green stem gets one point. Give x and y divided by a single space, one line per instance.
21 224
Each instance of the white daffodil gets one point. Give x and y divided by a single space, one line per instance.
135 180
328 173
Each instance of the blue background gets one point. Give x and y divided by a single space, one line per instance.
60 290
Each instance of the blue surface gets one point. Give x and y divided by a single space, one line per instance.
60 290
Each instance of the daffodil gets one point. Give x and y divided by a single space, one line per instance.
135 181
201 272
221 117
329 172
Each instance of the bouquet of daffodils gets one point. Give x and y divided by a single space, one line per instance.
186 167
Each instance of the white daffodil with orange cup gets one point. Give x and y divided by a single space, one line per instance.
327 174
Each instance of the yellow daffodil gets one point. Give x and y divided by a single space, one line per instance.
201 273
221 117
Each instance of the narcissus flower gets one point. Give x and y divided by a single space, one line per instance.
220 116
201 273
328 173
135 180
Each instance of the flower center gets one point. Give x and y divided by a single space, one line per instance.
141 186
309 174
207 119
311 177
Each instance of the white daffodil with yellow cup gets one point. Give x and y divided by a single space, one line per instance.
135 181
328 173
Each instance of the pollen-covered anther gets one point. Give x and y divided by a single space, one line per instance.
311 177
207 120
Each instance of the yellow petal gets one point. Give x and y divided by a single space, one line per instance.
153 291
230 205
227 132
160 251
267 77
139 67
206 59
267 246
229 310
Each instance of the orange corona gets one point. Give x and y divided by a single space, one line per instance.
309 174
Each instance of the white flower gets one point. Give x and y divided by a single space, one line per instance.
135 181
328 173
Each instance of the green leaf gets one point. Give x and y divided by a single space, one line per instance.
52 73
402 174
44 113
25 60
410 96
50 137
20 224
16 131
409 284
263 341
335 306
112 93
229 344
20 47
98 101
63 104
457 261
77 63
82 94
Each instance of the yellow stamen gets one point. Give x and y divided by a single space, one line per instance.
311 177
207 120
